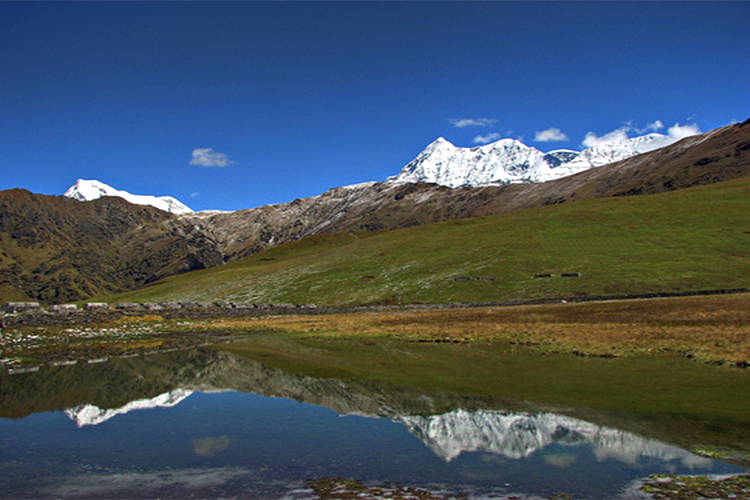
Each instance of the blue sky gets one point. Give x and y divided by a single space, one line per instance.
234 105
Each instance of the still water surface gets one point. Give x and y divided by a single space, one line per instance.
229 427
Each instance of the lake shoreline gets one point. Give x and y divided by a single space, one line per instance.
709 328
192 310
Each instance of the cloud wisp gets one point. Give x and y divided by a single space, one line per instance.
678 131
653 127
552 134
622 134
484 139
207 157
592 140
473 122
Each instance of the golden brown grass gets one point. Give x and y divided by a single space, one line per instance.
712 329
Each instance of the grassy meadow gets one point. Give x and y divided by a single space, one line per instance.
713 329
691 239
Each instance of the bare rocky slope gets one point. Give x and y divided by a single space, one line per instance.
56 250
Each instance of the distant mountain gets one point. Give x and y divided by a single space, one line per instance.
88 190
510 161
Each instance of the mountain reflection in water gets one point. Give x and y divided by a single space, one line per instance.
89 414
512 435
518 435
206 423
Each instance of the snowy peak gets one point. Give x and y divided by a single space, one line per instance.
499 162
87 190
510 161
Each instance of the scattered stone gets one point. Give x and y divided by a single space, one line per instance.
685 487
67 362
18 371
127 306
63 308
95 306
17 307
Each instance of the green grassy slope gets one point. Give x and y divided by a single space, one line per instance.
692 239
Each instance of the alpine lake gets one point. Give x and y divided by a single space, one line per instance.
279 416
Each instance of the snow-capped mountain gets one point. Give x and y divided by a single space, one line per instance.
518 435
510 161
87 190
84 415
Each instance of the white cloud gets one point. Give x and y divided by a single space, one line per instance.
674 134
592 140
678 131
550 135
486 138
473 122
657 125
207 157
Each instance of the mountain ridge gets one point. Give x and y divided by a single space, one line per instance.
509 161
89 190
47 256
501 162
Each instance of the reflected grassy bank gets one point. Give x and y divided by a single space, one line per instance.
695 406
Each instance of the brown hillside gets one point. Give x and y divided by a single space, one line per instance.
55 249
